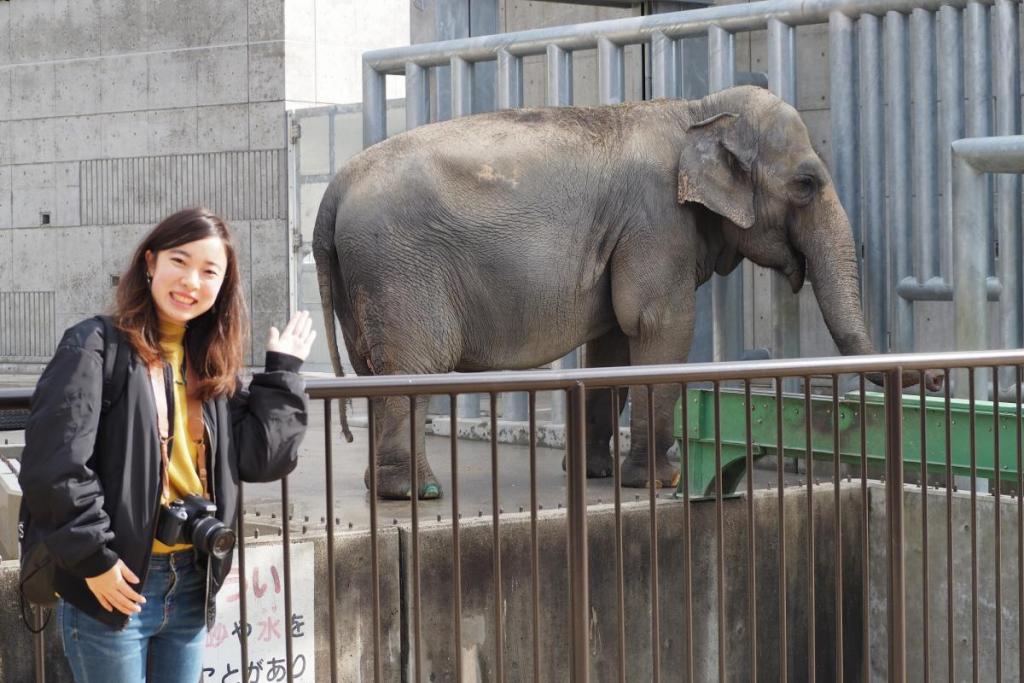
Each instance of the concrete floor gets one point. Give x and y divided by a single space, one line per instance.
307 484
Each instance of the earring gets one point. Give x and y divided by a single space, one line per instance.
149 279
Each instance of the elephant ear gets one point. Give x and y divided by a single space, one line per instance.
715 169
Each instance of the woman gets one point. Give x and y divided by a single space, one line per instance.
137 581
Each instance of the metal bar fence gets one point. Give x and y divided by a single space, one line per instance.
822 437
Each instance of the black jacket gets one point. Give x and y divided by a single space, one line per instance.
92 487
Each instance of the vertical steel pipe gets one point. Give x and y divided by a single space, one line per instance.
781 60
926 589
462 87
977 88
970 262
456 538
926 188
811 556
837 511
286 546
865 529
664 65
499 601
951 660
727 291
780 459
417 96
559 77
243 603
652 499
997 554
894 511
1019 423
842 80
684 468
375 126
897 174
751 542
371 429
332 584
611 72
1006 81
576 471
951 121
620 569
414 523
510 80
973 450
872 172
534 544
719 532
782 82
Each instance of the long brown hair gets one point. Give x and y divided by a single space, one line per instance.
213 341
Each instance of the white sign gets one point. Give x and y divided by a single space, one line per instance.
267 621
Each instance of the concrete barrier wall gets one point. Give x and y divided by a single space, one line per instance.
935 591
354 611
478 612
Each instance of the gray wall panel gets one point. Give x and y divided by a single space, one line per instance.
237 185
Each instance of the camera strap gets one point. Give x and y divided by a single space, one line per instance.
158 379
194 411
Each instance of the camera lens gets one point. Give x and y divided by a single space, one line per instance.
209 535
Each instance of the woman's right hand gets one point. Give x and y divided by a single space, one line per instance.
113 592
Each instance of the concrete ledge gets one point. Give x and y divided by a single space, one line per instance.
549 434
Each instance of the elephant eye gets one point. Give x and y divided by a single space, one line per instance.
804 186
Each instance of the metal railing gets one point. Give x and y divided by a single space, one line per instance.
906 79
892 370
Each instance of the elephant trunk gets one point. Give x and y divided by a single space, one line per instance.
827 244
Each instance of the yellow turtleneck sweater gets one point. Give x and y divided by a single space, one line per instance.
182 469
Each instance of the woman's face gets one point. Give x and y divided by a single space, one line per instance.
187 278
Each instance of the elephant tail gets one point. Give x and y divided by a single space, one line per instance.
326 256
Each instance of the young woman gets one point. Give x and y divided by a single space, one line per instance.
137 574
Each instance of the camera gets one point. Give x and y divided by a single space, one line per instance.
190 520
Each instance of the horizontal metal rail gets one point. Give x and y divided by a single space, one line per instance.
688 23
548 380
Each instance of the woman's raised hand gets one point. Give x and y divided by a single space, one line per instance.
296 339
113 592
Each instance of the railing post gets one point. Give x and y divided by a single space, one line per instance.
374 106
894 512
39 644
576 470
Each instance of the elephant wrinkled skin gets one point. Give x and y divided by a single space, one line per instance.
504 240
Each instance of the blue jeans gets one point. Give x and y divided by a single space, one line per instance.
166 637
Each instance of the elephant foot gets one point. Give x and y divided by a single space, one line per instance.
635 474
599 465
395 483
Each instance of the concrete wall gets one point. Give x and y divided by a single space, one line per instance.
935 590
114 114
477 619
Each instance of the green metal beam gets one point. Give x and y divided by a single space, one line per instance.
701 437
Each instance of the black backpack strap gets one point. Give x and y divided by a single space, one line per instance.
115 363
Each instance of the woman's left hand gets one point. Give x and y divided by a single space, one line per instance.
296 339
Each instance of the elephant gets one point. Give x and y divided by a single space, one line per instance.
504 240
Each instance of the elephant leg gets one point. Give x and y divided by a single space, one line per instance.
636 466
392 421
610 350
654 307
392 431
